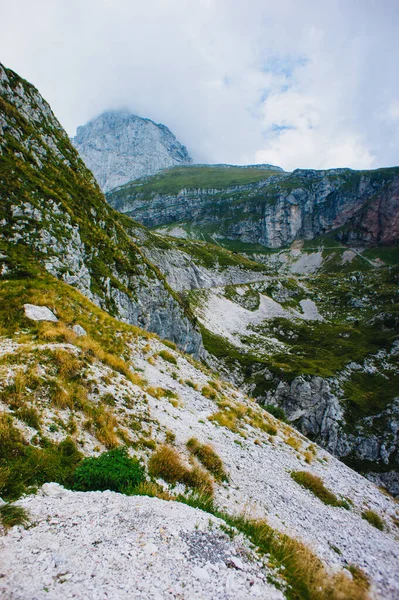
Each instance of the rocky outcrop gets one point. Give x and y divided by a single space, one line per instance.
315 406
118 146
362 207
52 210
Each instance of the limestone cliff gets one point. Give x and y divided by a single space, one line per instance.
118 146
273 209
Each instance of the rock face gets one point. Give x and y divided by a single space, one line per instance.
118 147
52 210
362 207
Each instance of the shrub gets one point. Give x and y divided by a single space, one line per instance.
373 518
114 470
11 515
208 457
276 411
316 486
168 356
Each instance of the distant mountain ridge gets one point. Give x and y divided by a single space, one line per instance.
119 146
267 206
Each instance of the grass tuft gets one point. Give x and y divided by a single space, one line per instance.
316 486
373 518
11 515
208 457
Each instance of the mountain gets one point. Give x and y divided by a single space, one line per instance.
118 146
53 211
121 455
267 207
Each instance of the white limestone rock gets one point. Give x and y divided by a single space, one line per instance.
39 313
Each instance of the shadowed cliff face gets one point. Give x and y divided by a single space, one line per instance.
359 206
51 206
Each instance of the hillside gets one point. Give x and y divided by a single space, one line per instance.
65 395
118 146
268 207
52 209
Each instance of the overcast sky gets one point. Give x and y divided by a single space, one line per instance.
303 83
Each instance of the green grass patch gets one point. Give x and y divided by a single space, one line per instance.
315 484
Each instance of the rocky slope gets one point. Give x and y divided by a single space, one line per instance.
274 209
118 146
311 331
51 208
64 395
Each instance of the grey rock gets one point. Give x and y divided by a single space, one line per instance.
78 329
39 313
53 490
119 146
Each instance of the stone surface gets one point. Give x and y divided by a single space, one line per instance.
97 547
39 313
78 329
118 147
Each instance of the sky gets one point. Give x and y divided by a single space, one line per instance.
299 84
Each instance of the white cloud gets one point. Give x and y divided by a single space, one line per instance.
300 84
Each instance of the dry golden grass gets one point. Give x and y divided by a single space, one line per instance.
57 332
294 442
208 392
68 365
148 488
166 463
208 457
198 479
308 457
303 570
106 425
225 419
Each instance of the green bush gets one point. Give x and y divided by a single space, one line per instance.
114 470
276 411
23 466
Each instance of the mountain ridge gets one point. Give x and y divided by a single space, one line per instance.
361 207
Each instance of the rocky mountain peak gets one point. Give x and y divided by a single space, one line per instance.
118 146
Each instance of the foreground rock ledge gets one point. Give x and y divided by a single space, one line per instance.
106 545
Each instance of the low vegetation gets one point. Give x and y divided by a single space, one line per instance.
373 518
168 356
167 464
114 470
315 484
11 515
208 457
304 573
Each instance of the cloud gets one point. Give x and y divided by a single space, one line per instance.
299 84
